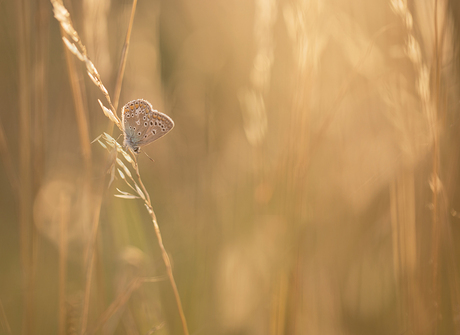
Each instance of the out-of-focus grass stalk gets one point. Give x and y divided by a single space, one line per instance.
402 194
278 307
302 22
89 261
80 111
332 111
8 162
253 101
164 254
402 210
83 130
124 57
64 209
40 91
79 50
121 69
4 320
25 174
434 125
118 303
432 109
121 300
85 144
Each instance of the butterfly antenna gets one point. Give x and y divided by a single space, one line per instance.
149 157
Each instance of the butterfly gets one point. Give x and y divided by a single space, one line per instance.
142 124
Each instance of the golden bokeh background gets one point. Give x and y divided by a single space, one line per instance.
309 185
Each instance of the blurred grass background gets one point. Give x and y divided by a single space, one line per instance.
308 187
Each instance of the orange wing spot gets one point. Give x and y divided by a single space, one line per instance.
131 107
137 105
126 109
154 116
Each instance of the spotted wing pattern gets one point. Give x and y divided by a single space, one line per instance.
142 124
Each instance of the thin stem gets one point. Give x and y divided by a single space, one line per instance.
80 113
124 57
25 174
4 321
8 162
90 256
136 166
167 262
164 254
434 178
121 300
63 252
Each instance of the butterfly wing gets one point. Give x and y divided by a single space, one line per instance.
143 125
158 125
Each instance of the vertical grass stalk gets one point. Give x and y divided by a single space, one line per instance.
25 201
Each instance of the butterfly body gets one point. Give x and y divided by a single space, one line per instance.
142 124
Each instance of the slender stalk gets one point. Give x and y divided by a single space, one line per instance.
80 113
334 108
40 91
124 57
164 254
4 321
435 164
25 201
8 162
167 262
63 251
121 70
90 258
83 127
121 301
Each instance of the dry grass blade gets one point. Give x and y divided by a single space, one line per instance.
124 167
77 48
126 196
73 48
114 144
113 117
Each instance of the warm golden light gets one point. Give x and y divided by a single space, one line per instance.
309 185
